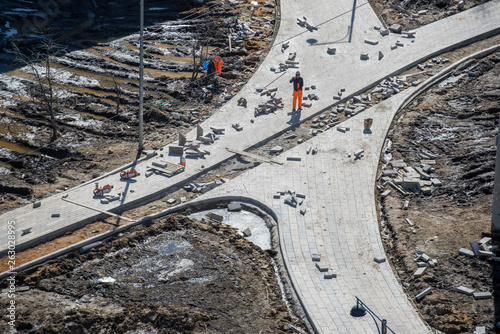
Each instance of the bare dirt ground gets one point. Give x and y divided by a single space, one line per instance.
457 123
174 276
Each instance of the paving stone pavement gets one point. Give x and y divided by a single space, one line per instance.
340 223
346 217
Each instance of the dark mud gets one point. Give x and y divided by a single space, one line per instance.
174 276
97 87
457 123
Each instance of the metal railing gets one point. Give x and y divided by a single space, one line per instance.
360 310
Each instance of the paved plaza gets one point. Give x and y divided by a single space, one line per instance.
338 217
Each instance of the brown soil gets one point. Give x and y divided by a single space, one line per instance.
457 122
174 276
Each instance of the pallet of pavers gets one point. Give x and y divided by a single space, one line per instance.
167 168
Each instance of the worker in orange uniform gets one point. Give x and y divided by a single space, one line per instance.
218 65
298 83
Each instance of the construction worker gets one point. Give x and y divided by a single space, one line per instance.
218 65
298 83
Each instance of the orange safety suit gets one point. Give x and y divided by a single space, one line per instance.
298 83
218 65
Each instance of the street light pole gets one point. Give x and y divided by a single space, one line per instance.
141 79
495 214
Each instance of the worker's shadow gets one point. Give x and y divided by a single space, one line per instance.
128 180
294 117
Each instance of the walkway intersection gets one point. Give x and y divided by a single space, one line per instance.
340 222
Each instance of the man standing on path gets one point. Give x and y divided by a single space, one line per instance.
298 83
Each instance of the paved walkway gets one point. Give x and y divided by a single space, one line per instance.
341 221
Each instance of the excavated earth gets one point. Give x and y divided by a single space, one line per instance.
456 123
174 276
217 281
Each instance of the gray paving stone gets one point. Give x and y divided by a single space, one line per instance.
474 245
316 257
482 295
464 290
485 241
233 206
420 271
466 252
321 267
424 293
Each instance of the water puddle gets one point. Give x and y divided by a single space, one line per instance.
450 80
261 236
172 247
18 147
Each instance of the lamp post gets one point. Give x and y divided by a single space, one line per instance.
495 214
141 79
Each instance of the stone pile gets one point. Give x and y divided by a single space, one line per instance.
198 187
420 179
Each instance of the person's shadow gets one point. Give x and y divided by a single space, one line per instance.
294 117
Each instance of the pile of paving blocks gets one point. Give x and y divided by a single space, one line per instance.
191 148
271 104
433 62
481 249
389 87
324 122
423 262
293 199
198 187
290 62
355 105
407 179
240 28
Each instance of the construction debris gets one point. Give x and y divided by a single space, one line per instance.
202 187
424 293
237 126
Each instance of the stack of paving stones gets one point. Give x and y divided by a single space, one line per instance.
271 104
242 28
405 179
355 105
432 63
199 187
481 249
323 122
293 199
